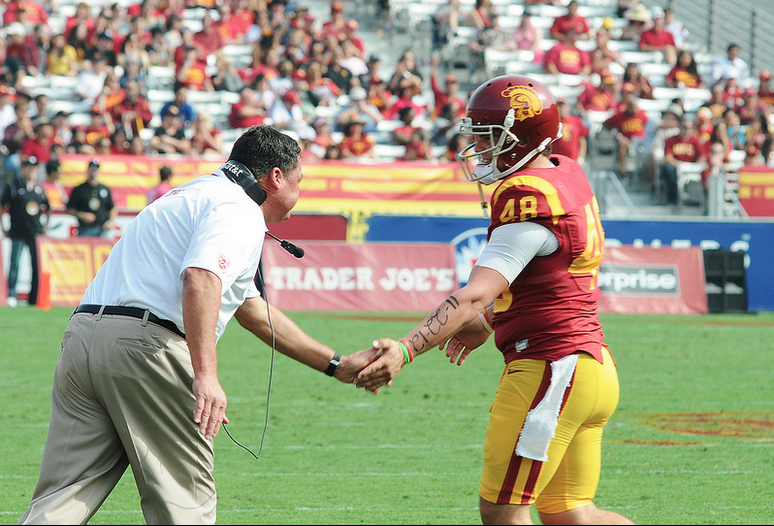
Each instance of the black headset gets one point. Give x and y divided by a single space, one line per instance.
241 175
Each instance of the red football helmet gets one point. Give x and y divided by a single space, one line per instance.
518 116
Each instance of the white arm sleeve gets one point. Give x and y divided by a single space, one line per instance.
511 247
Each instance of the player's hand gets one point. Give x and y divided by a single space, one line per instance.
469 337
352 364
384 369
211 403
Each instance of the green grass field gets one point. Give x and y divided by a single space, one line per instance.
692 441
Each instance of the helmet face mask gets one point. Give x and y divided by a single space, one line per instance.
511 119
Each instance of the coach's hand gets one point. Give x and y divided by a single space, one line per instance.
352 364
384 369
211 402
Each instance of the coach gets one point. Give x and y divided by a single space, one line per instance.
137 381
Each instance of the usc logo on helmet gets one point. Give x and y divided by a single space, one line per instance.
524 100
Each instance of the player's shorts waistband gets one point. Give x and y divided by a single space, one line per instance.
132 312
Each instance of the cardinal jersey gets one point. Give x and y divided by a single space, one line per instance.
550 310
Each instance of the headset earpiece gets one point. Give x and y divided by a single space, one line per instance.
241 175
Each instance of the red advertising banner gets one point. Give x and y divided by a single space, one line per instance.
756 190
407 277
650 280
72 264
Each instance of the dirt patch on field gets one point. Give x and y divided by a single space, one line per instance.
718 424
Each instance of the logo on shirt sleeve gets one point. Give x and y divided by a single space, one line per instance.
223 261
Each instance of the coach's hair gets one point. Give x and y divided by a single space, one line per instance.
262 148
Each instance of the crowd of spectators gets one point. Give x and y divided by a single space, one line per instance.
298 70
316 79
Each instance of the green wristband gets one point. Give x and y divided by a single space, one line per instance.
406 355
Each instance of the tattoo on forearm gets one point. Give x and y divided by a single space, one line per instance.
434 324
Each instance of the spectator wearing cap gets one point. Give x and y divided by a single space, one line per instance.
306 137
685 73
657 38
359 109
180 101
372 64
334 25
574 134
571 21
27 205
732 66
349 33
62 59
169 137
567 58
379 97
286 112
446 95
22 46
103 49
638 19
356 144
765 92
91 202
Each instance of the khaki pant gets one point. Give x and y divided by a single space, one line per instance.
122 396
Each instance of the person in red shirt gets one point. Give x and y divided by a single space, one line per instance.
657 38
336 23
629 126
356 143
574 133
685 74
685 147
134 111
229 27
765 94
446 95
192 73
571 21
565 57
597 98
209 39
41 144
28 12
249 111
751 107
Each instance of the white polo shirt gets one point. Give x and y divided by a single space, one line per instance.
208 223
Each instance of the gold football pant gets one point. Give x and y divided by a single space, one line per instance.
569 478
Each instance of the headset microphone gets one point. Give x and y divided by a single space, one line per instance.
287 245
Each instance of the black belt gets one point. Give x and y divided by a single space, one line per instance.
133 312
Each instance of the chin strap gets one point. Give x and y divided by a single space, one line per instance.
484 205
